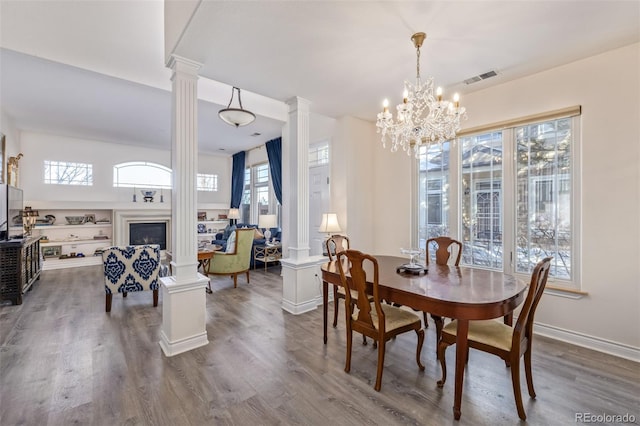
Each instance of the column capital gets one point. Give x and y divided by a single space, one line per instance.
298 103
184 65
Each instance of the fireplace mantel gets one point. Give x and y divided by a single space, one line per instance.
122 219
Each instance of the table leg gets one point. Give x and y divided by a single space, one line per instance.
461 360
325 296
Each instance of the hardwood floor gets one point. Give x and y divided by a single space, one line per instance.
63 360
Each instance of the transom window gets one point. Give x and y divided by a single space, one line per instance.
66 173
207 182
319 154
141 174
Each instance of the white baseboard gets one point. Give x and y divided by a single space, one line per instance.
182 345
589 342
300 308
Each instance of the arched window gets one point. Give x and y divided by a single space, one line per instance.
141 174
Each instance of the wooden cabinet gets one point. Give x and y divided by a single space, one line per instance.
20 267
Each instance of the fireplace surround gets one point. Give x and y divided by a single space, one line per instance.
149 221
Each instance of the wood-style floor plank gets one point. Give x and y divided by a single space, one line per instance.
63 361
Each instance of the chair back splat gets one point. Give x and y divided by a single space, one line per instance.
335 244
445 247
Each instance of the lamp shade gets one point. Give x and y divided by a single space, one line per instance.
329 223
234 214
267 221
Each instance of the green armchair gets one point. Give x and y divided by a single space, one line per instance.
236 261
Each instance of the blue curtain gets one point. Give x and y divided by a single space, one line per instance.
274 152
237 179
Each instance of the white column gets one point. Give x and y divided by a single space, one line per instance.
300 272
183 294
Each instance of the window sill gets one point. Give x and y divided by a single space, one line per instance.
569 293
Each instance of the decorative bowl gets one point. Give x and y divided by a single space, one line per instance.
75 220
146 193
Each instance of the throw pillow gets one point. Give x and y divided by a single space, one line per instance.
231 242
258 234
227 231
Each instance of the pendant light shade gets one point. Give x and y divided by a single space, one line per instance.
236 116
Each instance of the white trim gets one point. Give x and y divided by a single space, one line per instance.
589 342
299 308
182 345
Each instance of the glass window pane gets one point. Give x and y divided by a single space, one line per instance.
141 174
481 200
206 182
63 173
543 217
433 192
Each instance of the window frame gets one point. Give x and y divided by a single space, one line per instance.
509 191
50 164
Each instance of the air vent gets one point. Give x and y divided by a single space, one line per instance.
481 77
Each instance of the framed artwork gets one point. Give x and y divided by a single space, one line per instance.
51 251
3 157
90 218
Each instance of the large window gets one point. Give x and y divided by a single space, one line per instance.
257 197
515 200
64 173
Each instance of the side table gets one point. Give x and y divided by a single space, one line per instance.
267 253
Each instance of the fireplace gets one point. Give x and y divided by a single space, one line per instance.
133 227
148 233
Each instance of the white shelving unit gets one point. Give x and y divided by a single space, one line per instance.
68 246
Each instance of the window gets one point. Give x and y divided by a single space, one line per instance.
257 197
509 213
481 199
141 174
207 182
319 154
433 187
63 173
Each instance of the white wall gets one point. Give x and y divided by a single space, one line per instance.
607 87
38 147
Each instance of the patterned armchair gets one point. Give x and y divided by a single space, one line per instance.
131 268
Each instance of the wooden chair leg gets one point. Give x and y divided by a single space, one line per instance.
442 347
527 370
335 306
124 294
426 323
247 277
515 379
347 365
155 297
235 280
108 302
381 348
420 333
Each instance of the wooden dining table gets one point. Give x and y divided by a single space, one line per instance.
444 291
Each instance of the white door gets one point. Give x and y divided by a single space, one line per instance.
319 197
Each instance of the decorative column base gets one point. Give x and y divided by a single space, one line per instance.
180 332
302 284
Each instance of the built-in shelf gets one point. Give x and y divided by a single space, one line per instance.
75 242
83 226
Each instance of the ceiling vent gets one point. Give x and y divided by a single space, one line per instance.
481 77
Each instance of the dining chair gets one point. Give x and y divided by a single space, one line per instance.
334 245
444 247
509 343
379 321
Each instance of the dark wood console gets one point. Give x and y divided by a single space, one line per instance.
20 267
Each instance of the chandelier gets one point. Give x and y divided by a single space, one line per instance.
423 117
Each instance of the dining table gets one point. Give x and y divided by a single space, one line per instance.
459 292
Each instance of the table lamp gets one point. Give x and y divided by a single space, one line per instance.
267 221
234 215
329 225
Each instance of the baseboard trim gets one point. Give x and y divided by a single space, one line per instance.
183 345
589 342
297 309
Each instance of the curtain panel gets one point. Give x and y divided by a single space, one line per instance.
274 153
237 179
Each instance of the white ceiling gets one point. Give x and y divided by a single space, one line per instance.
95 69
